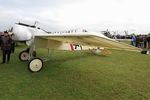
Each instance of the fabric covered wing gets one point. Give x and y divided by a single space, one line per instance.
58 42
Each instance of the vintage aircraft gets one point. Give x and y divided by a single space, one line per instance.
38 38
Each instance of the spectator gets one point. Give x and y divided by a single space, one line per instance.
0 39
148 41
12 43
6 47
145 41
133 40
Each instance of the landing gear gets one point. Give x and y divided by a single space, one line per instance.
35 65
24 55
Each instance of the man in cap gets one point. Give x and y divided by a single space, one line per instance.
6 47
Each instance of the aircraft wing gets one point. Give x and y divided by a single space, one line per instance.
59 41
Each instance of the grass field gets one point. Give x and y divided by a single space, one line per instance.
78 76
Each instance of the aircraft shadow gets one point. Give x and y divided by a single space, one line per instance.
76 57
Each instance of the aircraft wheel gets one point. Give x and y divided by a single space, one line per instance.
35 65
23 56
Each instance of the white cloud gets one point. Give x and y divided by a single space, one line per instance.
92 14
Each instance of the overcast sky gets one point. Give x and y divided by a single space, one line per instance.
94 15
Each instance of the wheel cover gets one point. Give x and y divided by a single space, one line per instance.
35 65
24 56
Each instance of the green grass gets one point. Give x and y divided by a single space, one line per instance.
78 76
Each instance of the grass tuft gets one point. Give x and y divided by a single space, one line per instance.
78 76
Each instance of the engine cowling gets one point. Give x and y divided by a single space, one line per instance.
21 33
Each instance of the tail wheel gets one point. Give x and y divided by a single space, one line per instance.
24 55
35 65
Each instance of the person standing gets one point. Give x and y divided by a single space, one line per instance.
148 41
12 43
145 41
6 42
1 34
133 40
0 40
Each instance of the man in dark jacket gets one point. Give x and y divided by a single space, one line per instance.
6 47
